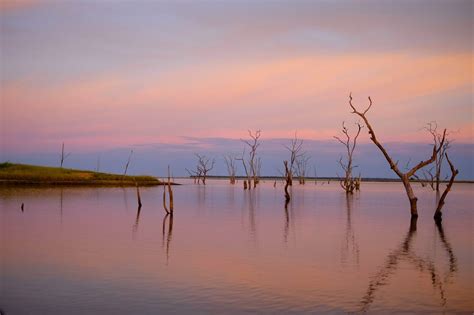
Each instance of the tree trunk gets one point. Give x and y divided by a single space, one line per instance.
454 172
411 196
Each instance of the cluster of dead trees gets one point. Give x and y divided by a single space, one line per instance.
203 167
297 164
349 184
253 163
439 152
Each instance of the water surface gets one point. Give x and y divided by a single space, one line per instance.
225 250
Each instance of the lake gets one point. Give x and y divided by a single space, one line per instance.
226 250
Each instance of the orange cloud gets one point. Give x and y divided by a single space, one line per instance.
308 94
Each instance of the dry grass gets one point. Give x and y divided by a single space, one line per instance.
40 175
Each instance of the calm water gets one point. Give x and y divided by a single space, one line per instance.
88 250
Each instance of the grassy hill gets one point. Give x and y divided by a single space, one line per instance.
22 174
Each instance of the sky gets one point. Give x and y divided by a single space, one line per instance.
172 78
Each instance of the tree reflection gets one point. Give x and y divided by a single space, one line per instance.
249 204
404 252
137 220
350 241
167 236
287 222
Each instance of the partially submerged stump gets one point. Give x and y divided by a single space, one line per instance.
167 186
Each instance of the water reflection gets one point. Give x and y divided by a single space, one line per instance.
250 198
167 236
405 252
61 205
94 261
449 250
125 199
350 241
137 220
287 223
201 198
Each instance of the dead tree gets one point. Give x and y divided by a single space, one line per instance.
258 168
253 144
167 186
432 128
195 175
438 214
231 167
405 177
429 178
349 183
295 148
287 181
128 163
246 170
204 166
301 168
170 192
63 155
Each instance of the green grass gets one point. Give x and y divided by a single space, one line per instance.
18 174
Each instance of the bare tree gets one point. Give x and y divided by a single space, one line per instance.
252 161
429 178
287 181
258 168
295 148
63 156
128 163
246 170
167 186
454 172
349 183
301 168
203 167
432 128
196 175
231 167
405 177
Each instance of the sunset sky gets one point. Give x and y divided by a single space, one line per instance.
168 79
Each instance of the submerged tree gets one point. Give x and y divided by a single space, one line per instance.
438 214
287 181
253 164
167 186
231 167
295 148
203 167
302 167
435 179
63 155
405 177
349 183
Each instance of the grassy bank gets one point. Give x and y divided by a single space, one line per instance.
22 174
